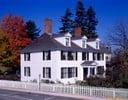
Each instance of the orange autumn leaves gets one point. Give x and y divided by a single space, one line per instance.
14 28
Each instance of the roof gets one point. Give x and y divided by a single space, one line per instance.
105 49
89 63
76 38
91 39
59 35
47 42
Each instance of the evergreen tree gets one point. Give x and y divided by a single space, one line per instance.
81 17
66 22
32 30
91 23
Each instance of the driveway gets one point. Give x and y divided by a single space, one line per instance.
15 95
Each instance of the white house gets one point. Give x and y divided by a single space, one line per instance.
63 58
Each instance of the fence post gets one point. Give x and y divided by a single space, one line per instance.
114 93
25 86
73 89
90 90
39 83
53 88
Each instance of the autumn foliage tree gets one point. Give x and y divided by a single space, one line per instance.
6 55
14 26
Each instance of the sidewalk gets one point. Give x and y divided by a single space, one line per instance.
56 94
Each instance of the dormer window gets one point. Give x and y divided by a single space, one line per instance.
97 45
67 41
83 43
84 40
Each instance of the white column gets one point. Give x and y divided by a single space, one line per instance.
88 75
95 70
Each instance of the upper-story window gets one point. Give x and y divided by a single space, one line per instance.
27 57
46 55
67 41
83 43
98 56
72 55
94 56
85 55
64 55
68 55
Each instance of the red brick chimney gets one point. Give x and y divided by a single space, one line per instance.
77 31
48 26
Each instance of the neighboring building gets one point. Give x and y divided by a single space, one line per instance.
63 58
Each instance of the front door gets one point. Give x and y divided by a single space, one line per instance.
85 72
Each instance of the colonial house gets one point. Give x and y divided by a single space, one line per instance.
63 57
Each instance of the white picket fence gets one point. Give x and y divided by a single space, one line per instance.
68 89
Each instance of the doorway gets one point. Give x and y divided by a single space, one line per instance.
85 73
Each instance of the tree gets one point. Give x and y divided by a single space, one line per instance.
81 18
91 23
66 22
6 55
14 26
119 39
32 30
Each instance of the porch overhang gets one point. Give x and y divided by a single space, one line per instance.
89 63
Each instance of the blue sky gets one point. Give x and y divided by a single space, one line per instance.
107 11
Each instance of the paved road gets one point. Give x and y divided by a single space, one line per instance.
14 95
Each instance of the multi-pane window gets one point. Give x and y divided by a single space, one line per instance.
68 72
72 72
74 55
102 56
46 55
98 56
92 71
68 55
67 41
64 72
27 71
85 55
64 55
46 72
27 57
94 56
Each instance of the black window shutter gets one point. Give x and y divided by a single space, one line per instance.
62 73
103 56
76 72
76 55
29 72
43 55
49 72
24 57
87 55
49 54
43 72
24 71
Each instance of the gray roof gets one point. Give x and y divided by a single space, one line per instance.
91 39
75 38
87 63
47 42
105 48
